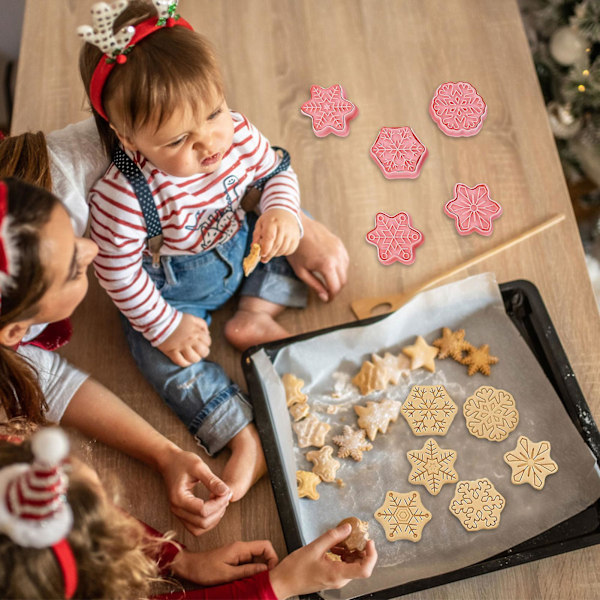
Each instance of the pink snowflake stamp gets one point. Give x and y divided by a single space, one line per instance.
399 153
473 209
458 109
395 238
330 110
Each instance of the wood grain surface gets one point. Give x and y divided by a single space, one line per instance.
390 55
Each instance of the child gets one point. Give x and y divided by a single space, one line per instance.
65 539
169 222
42 279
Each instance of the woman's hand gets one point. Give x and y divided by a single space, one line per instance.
235 561
182 471
309 570
321 260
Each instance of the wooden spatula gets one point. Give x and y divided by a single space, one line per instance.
363 307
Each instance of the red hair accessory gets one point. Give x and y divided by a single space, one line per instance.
116 46
34 511
7 250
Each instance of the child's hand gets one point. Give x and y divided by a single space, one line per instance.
278 233
235 561
189 343
308 570
182 471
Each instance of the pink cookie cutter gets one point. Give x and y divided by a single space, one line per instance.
458 109
473 209
399 153
395 238
330 110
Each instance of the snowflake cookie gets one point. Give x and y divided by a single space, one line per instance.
395 238
457 109
307 485
293 389
490 413
530 463
432 466
429 410
473 209
452 343
402 516
477 504
398 152
325 466
376 416
330 111
421 354
311 431
352 443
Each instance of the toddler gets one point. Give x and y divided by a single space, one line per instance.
169 221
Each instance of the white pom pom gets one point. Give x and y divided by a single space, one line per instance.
50 446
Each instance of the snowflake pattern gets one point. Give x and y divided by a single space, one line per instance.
330 111
402 516
395 238
399 153
457 109
491 414
477 504
472 209
432 466
429 410
530 463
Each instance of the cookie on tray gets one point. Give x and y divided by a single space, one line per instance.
530 463
293 389
421 354
432 466
370 378
477 504
429 410
452 343
311 431
376 416
402 516
307 484
491 414
352 443
325 466
299 411
478 359
393 366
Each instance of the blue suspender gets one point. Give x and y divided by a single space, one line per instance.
283 165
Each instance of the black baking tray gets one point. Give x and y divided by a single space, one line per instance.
525 307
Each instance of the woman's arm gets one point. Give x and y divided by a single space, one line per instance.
98 413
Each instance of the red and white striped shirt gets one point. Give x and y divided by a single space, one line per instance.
196 214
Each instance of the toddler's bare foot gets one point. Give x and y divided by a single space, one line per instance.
246 465
254 323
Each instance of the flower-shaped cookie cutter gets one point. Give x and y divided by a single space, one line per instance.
473 209
399 153
395 238
330 110
457 109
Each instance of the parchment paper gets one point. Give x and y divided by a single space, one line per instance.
327 362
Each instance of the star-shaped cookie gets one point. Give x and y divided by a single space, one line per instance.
452 343
479 359
432 466
530 463
421 354
352 443
325 466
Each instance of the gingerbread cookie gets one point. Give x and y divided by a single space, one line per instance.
393 366
376 416
352 443
452 343
490 413
311 431
530 463
432 466
402 516
477 504
478 359
251 261
293 389
429 410
307 485
370 378
359 535
325 466
299 411
421 354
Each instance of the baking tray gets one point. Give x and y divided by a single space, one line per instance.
525 307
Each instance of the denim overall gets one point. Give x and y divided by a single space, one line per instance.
211 406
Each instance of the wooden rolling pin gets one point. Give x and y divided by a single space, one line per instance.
363 307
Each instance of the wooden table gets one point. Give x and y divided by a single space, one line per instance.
390 56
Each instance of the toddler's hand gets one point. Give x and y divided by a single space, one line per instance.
278 233
189 343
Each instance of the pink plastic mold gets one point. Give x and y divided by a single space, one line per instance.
399 153
395 238
458 109
330 110
473 209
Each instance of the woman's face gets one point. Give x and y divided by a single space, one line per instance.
65 259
